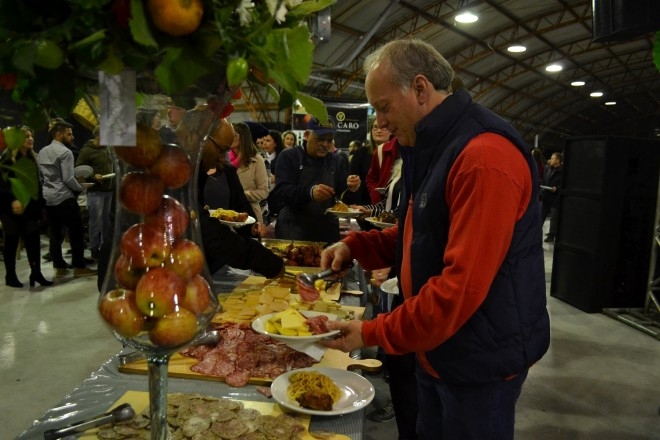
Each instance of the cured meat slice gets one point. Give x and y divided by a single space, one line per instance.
243 353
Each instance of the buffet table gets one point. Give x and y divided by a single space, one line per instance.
105 386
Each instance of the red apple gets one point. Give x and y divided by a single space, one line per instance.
146 150
119 309
141 192
159 292
171 216
198 295
126 275
174 329
172 166
144 245
186 259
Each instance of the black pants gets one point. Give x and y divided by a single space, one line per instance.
16 227
552 210
403 391
66 214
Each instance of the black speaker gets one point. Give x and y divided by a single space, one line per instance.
615 20
607 206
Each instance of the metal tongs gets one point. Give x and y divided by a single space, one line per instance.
310 278
122 413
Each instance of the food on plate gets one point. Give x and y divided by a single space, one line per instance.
387 217
243 353
340 207
291 322
229 216
313 390
308 255
205 417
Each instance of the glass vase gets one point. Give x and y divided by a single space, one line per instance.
157 296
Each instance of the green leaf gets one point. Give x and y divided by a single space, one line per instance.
14 137
24 184
180 68
139 26
88 41
112 64
309 7
23 58
313 106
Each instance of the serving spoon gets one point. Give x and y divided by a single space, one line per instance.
309 278
122 413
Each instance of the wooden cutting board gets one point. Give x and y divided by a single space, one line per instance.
179 366
139 400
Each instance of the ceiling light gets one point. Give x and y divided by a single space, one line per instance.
516 48
596 94
466 17
554 68
578 83
610 103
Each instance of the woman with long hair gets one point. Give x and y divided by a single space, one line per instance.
289 139
19 221
251 168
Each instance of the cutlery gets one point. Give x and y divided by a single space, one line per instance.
122 413
310 278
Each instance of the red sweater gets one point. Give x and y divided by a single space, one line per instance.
488 190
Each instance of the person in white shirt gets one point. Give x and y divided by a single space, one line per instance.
60 191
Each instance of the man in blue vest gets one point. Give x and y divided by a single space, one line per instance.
467 248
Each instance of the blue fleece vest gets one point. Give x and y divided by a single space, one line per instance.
510 330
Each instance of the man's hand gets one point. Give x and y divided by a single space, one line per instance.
336 256
321 192
349 338
353 182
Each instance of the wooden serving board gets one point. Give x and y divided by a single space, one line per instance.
179 366
139 400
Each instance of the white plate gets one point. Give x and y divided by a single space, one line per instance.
345 214
356 391
259 326
108 176
249 221
390 286
87 184
382 190
374 221
83 171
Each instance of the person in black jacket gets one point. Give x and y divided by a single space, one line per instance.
20 221
552 182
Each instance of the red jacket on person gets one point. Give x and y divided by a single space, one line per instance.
381 169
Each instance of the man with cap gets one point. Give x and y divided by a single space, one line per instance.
310 180
60 191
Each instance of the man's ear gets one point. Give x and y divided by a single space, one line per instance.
421 86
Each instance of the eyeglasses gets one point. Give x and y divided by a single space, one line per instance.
209 137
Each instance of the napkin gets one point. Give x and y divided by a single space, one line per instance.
312 349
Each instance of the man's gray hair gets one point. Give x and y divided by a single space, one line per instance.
409 57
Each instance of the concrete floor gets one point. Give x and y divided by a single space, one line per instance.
600 379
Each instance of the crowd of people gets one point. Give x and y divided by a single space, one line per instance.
469 196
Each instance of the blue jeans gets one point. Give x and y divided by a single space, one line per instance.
463 412
98 207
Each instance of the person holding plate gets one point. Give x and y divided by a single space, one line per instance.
310 180
99 195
